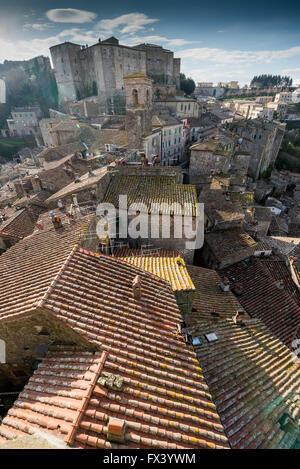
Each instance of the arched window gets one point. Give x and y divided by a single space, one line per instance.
148 97
135 99
2 351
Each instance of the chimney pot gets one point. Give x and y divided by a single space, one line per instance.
136 287
116 430
57 222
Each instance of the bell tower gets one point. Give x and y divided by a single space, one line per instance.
138 89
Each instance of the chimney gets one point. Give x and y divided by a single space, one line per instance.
40 226
136 287
225 284
36 184
116 430
76 205
56 222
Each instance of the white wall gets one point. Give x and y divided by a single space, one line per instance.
2 92
2 351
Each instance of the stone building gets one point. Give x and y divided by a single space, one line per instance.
138 89
87 107
25 121
178 106
27 269
172 138
159 196
211 155
262 139
83 71
224 248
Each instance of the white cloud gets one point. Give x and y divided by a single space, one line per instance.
287 71
70 15
36 26
24 50
125 24
222 56
79 35
134 40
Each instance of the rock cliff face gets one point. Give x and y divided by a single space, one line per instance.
28 82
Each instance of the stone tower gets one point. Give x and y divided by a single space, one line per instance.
138 89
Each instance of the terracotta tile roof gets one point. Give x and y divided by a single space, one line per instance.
217 207
226 243
262 299
286 245
86 181
210 300
279 271
113 136
54 394
54 153
44 222
252 376
28 268
149 190
167 265
162 394
254 382
21 223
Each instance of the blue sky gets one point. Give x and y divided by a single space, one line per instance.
217 41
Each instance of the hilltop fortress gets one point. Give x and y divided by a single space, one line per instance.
83 71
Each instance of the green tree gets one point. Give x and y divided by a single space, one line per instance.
187 85
270 81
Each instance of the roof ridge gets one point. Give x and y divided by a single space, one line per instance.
85 400
118 259
41 303
274 280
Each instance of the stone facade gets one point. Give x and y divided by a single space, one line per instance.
178 106
138 89
88 107
25 338
262 140
81 71
161 65
211 155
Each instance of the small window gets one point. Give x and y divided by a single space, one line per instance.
211 337
197 341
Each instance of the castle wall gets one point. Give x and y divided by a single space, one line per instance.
67 69
106 64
